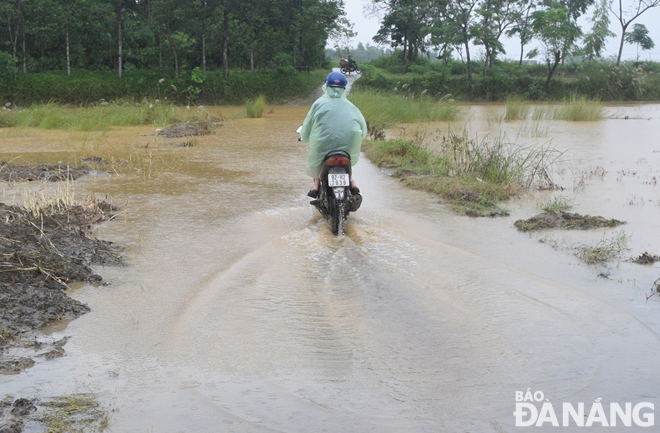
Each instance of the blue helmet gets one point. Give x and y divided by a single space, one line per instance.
335 79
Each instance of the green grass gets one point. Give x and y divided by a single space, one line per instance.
557 204
472 175
516 109
387 109
254 108
99 117
579 109
605 250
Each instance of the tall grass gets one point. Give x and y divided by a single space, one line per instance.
255 107
100 117
516 109
497 161
386 109
579 109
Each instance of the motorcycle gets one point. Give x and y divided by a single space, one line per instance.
347 67
336 200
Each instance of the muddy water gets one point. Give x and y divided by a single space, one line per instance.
240 312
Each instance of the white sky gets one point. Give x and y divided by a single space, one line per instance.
366 27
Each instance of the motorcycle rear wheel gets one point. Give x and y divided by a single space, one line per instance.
337 218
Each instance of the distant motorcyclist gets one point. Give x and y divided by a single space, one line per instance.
332 123
351 63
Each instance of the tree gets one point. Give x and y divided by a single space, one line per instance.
405 25
627 17
459 15
594 41
557 33
495 17
640 37
342 35
522 24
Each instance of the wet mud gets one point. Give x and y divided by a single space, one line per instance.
42 251
44 172
646 259
189 129
13 412
564 220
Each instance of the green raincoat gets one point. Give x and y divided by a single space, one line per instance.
333 123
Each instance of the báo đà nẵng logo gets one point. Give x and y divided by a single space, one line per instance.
534 410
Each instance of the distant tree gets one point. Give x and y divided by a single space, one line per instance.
557 33
460 15
495 16
626 17
405 25
341 36
640 37
522 24
594 41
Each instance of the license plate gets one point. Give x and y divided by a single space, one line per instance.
338 179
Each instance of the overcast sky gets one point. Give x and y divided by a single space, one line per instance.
366 27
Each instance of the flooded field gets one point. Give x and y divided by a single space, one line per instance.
240 312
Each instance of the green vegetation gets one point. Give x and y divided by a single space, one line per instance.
88 88
168 35
471 175
579 109
74 413
557 204
99 117
508 80
255 107
605 250
383 110
516 109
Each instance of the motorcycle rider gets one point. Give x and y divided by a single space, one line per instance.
352 64
332 123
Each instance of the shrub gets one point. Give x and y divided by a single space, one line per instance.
284 63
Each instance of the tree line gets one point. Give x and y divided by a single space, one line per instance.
448 26
120 35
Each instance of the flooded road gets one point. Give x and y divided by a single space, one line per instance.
240 312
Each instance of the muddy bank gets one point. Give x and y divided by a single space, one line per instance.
42 251
45 172
564 220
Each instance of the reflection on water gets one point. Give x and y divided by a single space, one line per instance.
241 312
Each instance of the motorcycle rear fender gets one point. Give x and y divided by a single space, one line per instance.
339 192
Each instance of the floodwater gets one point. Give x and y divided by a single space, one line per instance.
240 312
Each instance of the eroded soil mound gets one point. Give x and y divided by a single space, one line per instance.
49 172
189 129
41 251
564 220
646 259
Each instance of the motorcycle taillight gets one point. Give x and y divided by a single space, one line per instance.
337 160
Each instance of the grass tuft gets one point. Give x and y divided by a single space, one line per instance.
255 107
579 110
605 250
557 204
74 413
516 109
